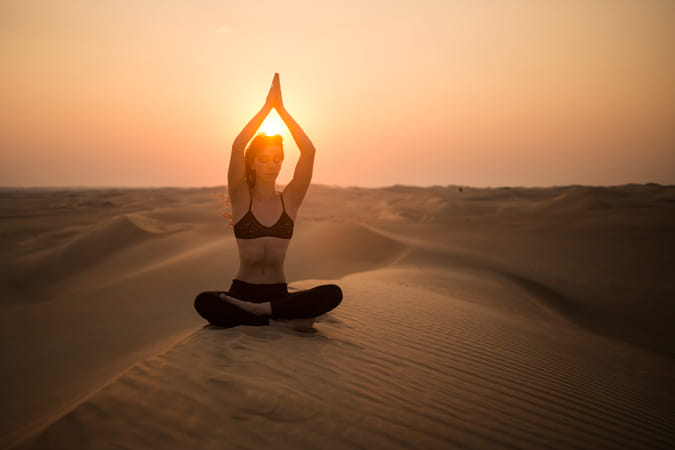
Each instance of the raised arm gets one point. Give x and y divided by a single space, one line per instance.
237 170
297 188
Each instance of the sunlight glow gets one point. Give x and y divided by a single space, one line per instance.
272 124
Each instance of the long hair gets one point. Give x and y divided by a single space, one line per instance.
258 143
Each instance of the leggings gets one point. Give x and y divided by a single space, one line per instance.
295 305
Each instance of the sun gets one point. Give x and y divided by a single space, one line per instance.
272 124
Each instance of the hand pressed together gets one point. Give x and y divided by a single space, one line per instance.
274 99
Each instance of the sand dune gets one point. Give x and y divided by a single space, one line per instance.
504 317
88 247
336 248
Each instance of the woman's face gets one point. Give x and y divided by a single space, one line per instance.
267 163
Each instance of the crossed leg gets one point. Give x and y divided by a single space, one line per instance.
297 310
265 309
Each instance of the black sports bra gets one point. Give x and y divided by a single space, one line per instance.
248 226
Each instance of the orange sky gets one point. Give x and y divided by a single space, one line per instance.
482 93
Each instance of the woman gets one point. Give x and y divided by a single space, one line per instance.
259 294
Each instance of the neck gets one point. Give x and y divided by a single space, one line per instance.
264 190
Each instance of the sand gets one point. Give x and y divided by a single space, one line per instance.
487 318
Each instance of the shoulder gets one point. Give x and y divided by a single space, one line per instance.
239 201
291 202
239 191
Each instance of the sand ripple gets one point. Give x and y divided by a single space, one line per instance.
393 367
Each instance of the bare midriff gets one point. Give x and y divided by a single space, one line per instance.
261 260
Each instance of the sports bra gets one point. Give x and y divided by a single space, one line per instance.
248 226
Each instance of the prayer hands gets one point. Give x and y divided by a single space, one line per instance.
274 95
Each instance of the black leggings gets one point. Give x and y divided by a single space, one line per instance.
295 305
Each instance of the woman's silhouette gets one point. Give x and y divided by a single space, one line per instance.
264 220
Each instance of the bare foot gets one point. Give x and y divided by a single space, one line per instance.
258 309
296 324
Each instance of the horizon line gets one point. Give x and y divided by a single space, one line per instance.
468 186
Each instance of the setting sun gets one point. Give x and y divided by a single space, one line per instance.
272 124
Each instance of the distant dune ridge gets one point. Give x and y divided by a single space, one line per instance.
473 318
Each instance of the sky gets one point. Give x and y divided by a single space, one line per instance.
423 92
